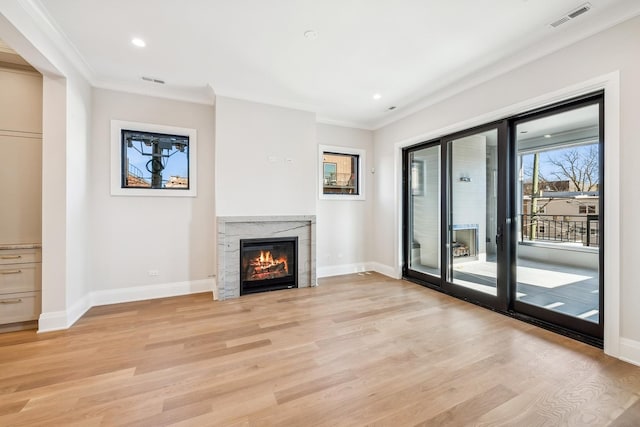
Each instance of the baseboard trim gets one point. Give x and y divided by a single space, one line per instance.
339 270
52 321
386 270
630 351
60 320
139 293
78 310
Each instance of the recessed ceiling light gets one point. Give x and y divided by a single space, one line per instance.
311 34
377 96
547 136
138 42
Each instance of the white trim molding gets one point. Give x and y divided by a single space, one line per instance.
339 270
140 293
360 267
116 159
630 351
60 320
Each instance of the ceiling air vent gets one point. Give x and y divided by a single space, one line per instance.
580 10
559 21
152 80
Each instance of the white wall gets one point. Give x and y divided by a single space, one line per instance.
344 227
79 274
130 235
265 159
607 52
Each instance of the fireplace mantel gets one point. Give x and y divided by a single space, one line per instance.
233 228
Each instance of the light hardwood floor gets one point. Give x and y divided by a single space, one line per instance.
357 350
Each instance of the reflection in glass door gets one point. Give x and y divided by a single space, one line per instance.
473 203
423 196
558 216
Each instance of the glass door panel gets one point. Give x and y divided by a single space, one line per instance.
558 216
424 211
473 206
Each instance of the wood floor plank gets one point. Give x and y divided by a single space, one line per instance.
630 417
12 407
314 386
466 412
356 350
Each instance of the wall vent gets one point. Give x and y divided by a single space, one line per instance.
580 10
152 80
559 21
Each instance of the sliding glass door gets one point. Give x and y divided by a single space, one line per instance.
510 215
559 212
473 257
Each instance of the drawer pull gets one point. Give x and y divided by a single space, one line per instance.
10 271
10 256
11 301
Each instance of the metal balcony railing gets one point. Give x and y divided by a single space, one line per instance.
583 229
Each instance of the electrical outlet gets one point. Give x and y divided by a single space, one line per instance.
154 273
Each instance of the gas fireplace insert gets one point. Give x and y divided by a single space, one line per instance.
268 264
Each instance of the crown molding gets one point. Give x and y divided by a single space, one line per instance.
60 41
535 50
198 95
342 123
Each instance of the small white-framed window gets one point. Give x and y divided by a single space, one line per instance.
152 160
341 173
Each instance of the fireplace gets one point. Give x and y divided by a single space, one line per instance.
232 229
268 264
465 240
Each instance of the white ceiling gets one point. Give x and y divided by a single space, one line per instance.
409 51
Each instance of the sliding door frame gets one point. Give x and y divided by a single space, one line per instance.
497 302
422 278
506 238
563 323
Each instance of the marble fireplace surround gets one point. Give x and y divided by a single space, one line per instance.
233 228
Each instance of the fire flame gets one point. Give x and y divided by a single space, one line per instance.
266 259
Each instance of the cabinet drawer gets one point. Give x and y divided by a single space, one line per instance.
20 307
19 278
19 256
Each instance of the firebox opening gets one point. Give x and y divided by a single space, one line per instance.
465 242
268 264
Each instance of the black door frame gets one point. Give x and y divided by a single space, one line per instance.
499 301
569 325
506 238
414 275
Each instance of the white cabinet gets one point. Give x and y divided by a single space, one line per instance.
21 197
20 279
21 92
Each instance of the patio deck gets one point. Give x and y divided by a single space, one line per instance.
555 286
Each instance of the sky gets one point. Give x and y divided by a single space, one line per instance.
176 165
547 169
